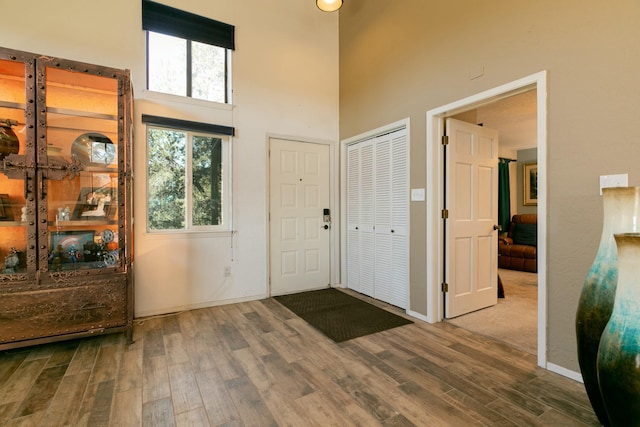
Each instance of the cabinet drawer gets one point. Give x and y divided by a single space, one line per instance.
37 314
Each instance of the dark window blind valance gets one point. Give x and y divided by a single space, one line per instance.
188 125
167 20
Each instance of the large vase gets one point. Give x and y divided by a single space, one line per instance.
621 207
619 352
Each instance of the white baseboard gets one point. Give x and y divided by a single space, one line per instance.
418 316
177 309
576 376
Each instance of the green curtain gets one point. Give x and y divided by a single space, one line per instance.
504 194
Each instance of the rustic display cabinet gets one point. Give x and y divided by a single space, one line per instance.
65 200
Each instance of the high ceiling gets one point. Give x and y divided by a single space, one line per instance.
514 118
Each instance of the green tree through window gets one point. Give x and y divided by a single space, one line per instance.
186 182
207 180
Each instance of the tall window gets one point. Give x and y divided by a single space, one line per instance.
187 54
188 179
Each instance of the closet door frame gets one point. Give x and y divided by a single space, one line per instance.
396 126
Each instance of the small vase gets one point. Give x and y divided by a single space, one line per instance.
619 352
621 214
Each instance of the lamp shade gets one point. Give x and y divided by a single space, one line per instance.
329 5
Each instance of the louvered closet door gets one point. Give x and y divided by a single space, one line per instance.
383 209
391 219
366 251
360 217
377 218
353 217
400 218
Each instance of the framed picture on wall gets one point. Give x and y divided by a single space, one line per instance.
530 181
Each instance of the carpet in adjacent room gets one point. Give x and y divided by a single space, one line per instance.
514 320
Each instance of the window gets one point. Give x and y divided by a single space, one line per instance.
187 55
188 176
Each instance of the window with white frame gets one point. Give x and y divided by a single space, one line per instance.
188 175
187 54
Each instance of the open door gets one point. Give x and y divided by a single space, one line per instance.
471 252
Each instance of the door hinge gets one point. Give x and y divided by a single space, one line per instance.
445 287
445 139
445 213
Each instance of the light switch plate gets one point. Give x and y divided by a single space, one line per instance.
608 181
417 194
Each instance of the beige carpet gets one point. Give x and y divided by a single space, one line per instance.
514 320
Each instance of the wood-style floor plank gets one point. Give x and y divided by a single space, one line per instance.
18 385
101 409
71 389
158 413
42 391
251 407
184 389
218 404
126 410
257 364
155 379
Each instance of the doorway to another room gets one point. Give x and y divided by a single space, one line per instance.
525 290
512 318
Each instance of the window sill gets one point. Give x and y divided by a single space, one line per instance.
175 99
186 234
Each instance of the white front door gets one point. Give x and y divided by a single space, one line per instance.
472 201
299 236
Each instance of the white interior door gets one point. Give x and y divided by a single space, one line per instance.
299 236
472 201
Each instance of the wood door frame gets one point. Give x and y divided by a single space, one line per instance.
334 232
435 229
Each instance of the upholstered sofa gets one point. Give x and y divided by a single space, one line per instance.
518 249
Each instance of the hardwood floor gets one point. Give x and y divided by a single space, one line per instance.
256 364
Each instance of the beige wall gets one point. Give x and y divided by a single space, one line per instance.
285 82
402 58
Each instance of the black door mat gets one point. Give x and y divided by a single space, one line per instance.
339 316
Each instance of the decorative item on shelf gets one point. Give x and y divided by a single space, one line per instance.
23 214
55 258
111 258
107 235
93 149
621 208
619 351
6 213
69 247
64 214
9 143
11 262
95 203
109 241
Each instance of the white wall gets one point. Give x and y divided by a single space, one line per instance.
285 82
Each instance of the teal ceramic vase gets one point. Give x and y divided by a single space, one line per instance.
621 207
619 352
